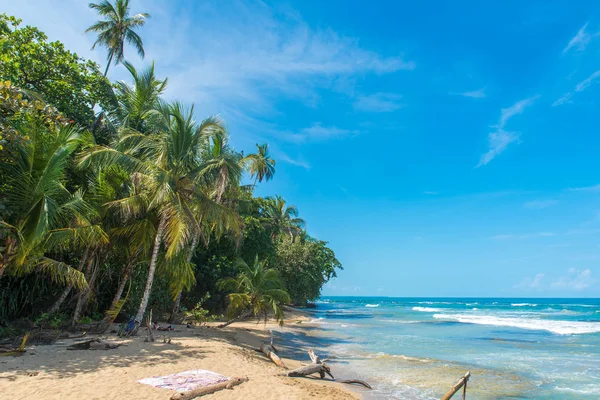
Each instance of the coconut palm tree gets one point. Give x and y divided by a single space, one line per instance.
168 166
282 218
116 28
42 209
260 164
256 291
138 102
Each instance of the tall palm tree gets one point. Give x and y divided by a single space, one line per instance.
256 290
260 164
282 218
116 28
167 163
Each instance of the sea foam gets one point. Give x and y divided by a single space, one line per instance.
372 305
427 309
558 327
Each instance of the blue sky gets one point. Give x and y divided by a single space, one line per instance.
442 148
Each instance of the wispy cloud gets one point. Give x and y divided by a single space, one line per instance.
283 157
580 87
317 131
475 94
575 280
532 283
500 138
540 204
523 236
580 41
593 188
430 193
378 102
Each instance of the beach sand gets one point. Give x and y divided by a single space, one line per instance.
47 372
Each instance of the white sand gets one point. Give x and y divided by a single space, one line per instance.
53 372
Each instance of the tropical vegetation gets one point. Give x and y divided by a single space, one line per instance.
114 201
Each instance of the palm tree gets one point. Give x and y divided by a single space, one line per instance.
138 102
260 164
43 211
116 28
256 290
167 163
282 218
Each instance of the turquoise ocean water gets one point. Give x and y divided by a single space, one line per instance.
417 348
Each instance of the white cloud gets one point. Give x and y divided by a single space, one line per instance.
529 283
378 102
580 87
593 188
575 280
475 94
524 236
540 204
500 138
580 40
281 156
317 131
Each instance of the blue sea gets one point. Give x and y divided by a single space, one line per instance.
417 348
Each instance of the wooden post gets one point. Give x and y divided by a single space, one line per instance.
461 383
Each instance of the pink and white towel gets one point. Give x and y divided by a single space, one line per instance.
185 381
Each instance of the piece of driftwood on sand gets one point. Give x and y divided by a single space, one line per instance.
208 389
320 367
93 344
462 383
270 352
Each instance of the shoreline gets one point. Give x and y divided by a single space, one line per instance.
49 372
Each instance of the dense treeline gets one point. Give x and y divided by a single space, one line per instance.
114 201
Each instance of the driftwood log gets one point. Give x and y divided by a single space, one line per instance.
317 366
94 344
269 352
208 389
462 383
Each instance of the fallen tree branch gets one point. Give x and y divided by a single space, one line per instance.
274 357
208 389
94 344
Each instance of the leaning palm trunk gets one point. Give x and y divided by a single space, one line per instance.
243 315
177 303
61 299
85 294
151 270
126 274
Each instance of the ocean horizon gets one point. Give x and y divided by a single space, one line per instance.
418 347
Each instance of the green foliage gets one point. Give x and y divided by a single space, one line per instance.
305 265
256 288
60 77
199 315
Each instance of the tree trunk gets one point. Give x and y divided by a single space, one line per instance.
108 65
121 287
61 299
243 315
146 297
274 357
177 303
83 296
